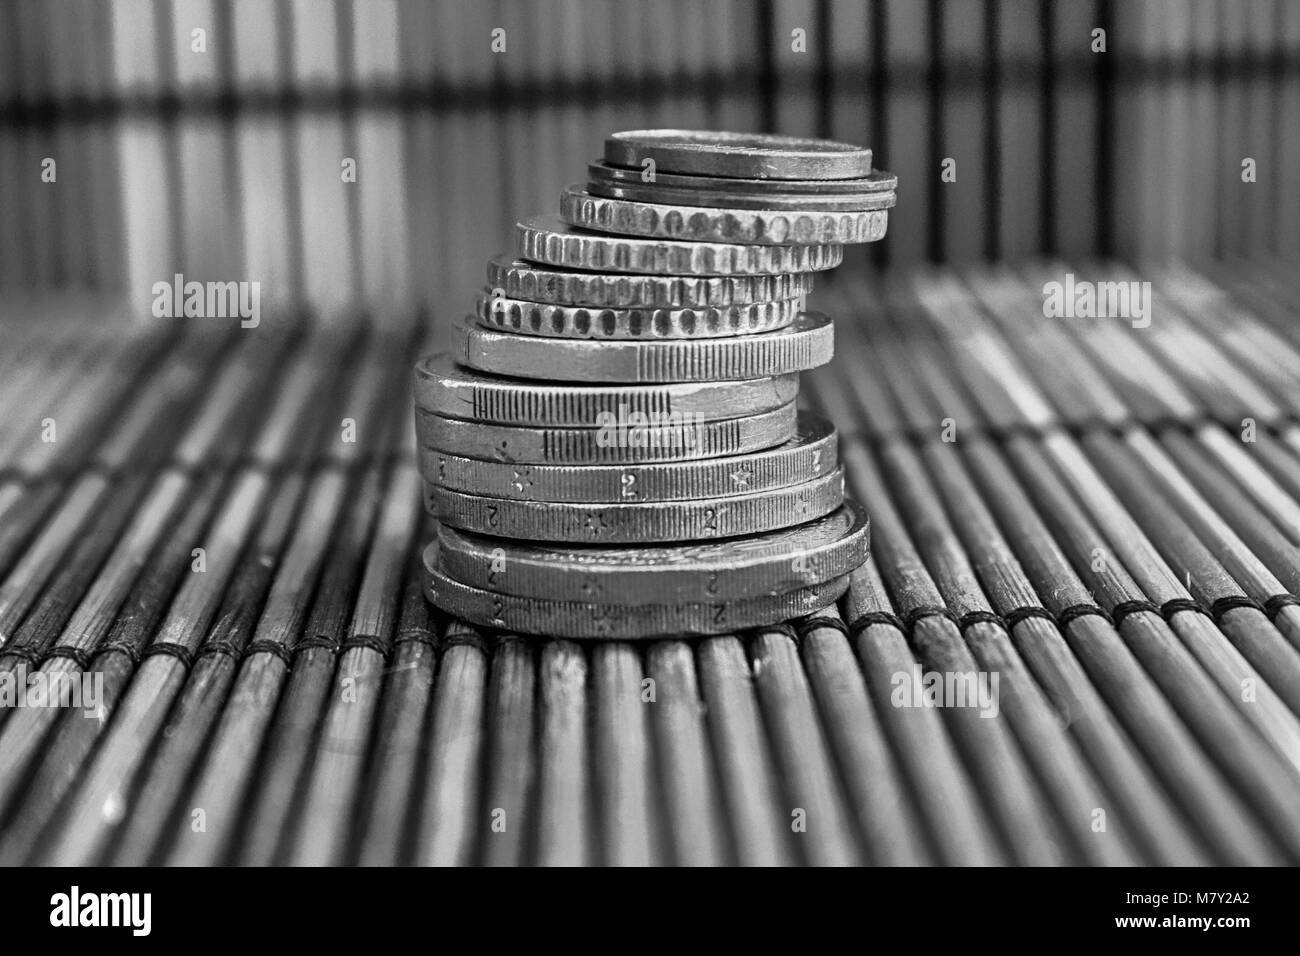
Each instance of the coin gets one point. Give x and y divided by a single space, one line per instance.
554 242
563 321
766 564
447 389
794 202
806 344
615 438
574 619
812 453
741 155
693 520
523 280
657 220
876 184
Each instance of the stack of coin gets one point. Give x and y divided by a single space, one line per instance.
615 452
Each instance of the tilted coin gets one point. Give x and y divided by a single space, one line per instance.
552 241
574 619
745 155
806 344
812 453
445 388
524 280
583 322
879 182
766 564
694 520
704 224
792 202
614 438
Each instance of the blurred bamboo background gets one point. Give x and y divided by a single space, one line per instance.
226 163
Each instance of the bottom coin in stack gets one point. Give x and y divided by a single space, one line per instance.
665 521
737 568
595 619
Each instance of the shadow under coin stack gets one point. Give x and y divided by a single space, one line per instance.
616 453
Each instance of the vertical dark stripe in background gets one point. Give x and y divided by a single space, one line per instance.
765 27
345 50
223 20
1047 238
937 88
993 93
164 44
825 70
293 201
1106 138
878 95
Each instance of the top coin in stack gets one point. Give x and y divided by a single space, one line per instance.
738 155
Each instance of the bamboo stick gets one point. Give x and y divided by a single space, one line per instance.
877 794
289 742
1027 823
451 822
759 821
1155 819
1221 661
565 821
945 795
812 792
389 807
622 757
694 829
155 814
1248 628
1221 730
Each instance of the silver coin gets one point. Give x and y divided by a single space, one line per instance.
611 439
791 202
447 389
743 155
775 227
552 241
812 453
572 619
766 564
808 343
876 184
563 321
670 521
523 280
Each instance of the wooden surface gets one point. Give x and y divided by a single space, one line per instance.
1098 534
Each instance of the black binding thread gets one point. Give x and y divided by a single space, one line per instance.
328 643
227 647
1176 605
126 648
376 644
785 629
1124 608
980 617
1020 614
75 654
27 655
464 637
1273 606
416 635
1076 611
923 611
1233 601
810 624
168 649
274 648
870 618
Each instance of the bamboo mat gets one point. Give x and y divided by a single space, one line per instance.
1105 517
